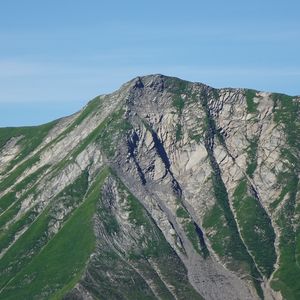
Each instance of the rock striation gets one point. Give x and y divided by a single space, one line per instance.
164 189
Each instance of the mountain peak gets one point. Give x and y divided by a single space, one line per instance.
164 189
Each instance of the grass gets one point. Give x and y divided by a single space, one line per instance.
60 263
178 103
137 215
110 222
7 235
16 173
114 128
256 229
289 182
89 109
287 276
147 243
9 198
174 272
236 247
32 138
286 112
34 135
150 275
42 265
251 105
177 87
182 213
152 240
252 157
22 252
10 204
216 93
30 243
198 138
191 229
178 133
228 246
213 221
6 201
71 157
219 222
107 133
197 242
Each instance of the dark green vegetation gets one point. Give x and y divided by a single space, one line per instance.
42 264
27 257
182 213
178 88
90 108
71 220
134 266
287 277
225 238
178 132
31 138
252 157
219 221
178 103
10 197
251 105
286 112
256 229
192 231
112 130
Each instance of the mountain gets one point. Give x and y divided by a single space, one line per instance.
164 189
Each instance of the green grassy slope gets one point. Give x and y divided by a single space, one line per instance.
287 277
39 266
119 245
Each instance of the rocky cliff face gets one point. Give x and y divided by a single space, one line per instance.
165 189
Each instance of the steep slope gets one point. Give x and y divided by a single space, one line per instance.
164 189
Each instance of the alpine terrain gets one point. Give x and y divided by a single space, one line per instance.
164 189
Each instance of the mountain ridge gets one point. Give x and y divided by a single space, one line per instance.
192 160
149 76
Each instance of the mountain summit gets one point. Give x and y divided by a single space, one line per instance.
164 189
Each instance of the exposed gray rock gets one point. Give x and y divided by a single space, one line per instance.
211 168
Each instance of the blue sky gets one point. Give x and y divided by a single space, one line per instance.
57 55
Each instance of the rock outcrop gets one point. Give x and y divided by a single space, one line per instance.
164 189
